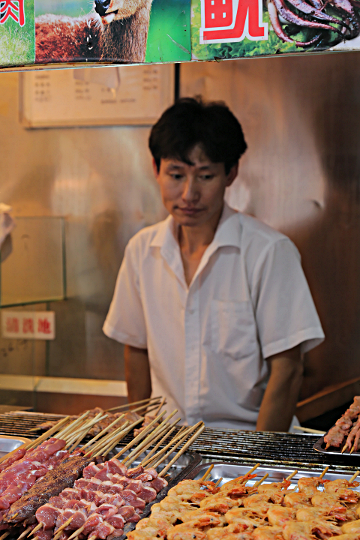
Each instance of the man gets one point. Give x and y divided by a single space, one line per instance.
212 305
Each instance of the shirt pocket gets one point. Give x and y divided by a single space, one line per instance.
233 329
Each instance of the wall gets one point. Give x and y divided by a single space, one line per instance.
300 175
100 179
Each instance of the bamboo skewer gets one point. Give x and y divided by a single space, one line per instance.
323 473
70 427
24 533
155 461
106 440
35 530
140 436
261 480
113 441
86 425
76 533
160 406
105 430
124 432
146 408
127 405
354 476
353 449
218 482
47 434
3 536
309 430
166 436
140 448
60 529
189 442
116 436
160 435
246 476
291 475
84 430
207 474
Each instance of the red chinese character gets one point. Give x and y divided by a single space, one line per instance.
28 326
218 13
14 9
12 324
44 326
246 22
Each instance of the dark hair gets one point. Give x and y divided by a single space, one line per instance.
191 121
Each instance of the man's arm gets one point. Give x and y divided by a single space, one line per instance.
282 392
137 373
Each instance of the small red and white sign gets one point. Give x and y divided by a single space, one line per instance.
28 324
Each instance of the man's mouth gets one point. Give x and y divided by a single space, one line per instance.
109 17
189 210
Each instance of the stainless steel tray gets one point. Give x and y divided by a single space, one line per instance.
319 446
229 471
8 444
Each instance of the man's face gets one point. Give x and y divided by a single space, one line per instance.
193 194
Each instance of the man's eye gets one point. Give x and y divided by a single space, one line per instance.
206 177
176 176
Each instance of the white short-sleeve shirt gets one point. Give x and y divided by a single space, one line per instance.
207 343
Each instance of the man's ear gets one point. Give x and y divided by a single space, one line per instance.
155 169
232 174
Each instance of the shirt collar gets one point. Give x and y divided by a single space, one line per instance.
228 232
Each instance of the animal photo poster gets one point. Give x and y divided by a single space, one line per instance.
120 31
17 36
225 29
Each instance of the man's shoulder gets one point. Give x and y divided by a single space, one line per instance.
144 237
258 230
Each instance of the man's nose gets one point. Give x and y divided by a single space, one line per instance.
190 191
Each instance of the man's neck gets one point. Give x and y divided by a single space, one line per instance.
194 239
193 242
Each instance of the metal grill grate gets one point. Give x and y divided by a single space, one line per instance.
281 449
21 424
284 449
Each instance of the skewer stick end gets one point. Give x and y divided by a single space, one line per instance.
354 476
35 530
324 472
76 533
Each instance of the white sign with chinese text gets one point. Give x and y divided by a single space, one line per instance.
28 324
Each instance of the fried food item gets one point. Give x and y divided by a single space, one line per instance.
234 531
352 527
268 533
279 515
308 530
296 500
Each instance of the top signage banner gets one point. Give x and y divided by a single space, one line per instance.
55 33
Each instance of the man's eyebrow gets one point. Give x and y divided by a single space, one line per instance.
174 166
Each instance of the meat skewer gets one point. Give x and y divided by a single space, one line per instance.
343 425
103 473
51 484
118 501
17 454
18 516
